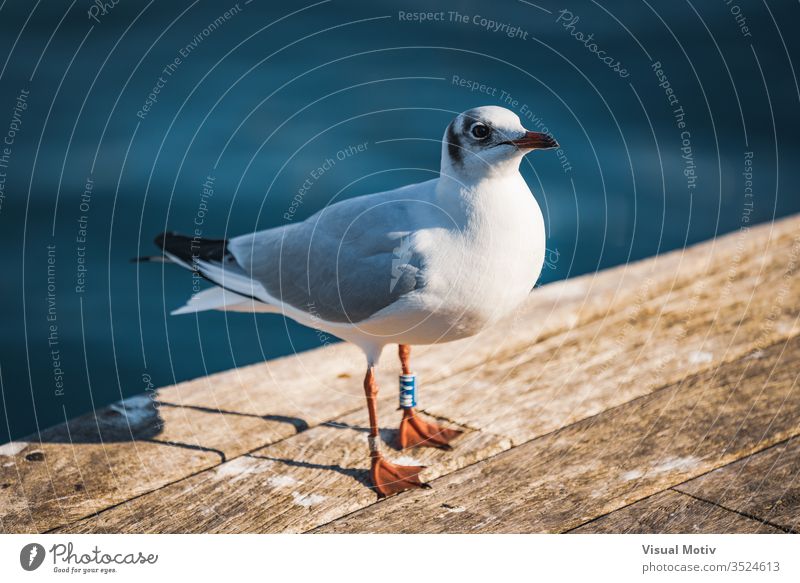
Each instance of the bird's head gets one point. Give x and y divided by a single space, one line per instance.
488 140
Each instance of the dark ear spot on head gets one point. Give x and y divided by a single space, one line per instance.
454 145
468 121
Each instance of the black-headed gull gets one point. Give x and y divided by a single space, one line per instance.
426 263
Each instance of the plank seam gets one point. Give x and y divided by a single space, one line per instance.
97 513
593 316
610 512
545 435
300 425
725 465
192 446
785 529
651 394
672 489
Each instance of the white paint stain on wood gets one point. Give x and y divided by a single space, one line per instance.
12 448
281 481
700 357
681 464
307 500
136 409
241 467
632 475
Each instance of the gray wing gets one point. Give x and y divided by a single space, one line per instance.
343 264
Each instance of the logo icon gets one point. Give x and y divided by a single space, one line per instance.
402 256
31 556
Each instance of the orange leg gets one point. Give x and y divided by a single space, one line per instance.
387 478
414 431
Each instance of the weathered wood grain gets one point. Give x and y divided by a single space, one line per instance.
550 310
671 512
733 319
148 441
625 355
598 465
201 422
765 485
89 464
290 486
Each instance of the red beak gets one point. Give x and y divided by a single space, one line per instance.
535 141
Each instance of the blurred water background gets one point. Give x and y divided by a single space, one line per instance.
131 118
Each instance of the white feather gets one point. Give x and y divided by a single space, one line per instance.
217 298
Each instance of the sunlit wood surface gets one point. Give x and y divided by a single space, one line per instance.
660 396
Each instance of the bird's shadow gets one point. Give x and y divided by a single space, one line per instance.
359 475
388 436
140 419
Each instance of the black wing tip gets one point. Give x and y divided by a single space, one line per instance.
162 239
149 259
189 248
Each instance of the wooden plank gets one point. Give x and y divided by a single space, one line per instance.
290 486
671 512
738 315
43 484
765 485
148 441
239 411
652 343
551 310
606 391
601 464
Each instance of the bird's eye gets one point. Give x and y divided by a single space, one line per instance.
480 131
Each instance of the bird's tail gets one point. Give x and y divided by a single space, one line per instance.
189 251
186 251
151 259
210 259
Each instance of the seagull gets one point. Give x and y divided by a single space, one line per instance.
425 263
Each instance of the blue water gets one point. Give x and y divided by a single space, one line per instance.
255 105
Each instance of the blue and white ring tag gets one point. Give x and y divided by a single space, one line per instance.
408 391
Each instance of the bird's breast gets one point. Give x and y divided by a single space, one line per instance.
483 272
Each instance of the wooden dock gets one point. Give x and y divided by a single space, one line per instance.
658 396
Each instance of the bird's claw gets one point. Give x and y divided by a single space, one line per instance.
388 478
416 432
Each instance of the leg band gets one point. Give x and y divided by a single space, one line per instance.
373 444
408 391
